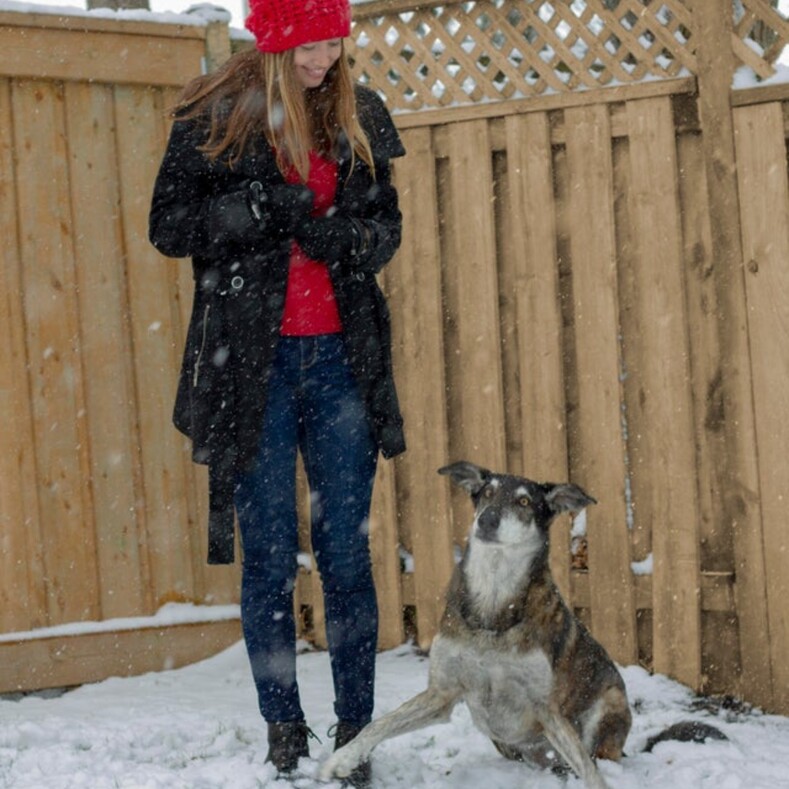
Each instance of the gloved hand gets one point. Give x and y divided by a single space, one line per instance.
250 213
328 238
280 208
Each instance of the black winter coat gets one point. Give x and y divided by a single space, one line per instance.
240 295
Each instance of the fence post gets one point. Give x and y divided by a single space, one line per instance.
217 34
739 494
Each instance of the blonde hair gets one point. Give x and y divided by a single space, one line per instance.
256 95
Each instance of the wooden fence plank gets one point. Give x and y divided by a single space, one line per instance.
63 661
507 260
764 206
414 286
477 432
105 56
720 653
739 472
49 287
384 545
716 546
533 256
597 430
101 286
22 599
64 22
627 250
157 357
553 101
660 409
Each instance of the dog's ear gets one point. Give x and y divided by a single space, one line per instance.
567 497
468 476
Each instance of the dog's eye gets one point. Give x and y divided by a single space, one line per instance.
524 501
489 492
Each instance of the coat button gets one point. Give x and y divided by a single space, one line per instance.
237 282
360 276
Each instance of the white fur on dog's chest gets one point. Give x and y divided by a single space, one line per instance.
501 687
496 573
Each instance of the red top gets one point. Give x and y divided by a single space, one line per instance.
310 306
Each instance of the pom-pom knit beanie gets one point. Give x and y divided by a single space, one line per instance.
284 24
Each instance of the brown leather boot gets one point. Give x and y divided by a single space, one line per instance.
287 743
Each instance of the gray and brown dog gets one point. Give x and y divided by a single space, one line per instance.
532 676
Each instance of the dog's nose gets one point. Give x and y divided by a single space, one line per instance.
488 524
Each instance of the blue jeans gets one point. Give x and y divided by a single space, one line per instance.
313 405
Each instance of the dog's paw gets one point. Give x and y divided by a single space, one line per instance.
340 764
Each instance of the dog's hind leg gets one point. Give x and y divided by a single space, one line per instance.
431 706
565 739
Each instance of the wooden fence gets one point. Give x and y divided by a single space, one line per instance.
592 286
99 504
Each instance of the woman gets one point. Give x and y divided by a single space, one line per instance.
276 182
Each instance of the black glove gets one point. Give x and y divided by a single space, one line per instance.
280 208
328 238
250 214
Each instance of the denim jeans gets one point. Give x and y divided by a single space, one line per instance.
313 406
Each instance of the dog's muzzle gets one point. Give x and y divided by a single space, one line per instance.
488 525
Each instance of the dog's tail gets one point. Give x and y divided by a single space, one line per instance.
686 731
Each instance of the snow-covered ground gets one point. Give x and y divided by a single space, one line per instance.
198 728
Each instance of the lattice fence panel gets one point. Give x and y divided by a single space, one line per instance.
435 54
760 35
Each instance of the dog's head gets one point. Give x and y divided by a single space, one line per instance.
509 509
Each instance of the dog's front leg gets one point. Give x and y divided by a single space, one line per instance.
565 739
431 706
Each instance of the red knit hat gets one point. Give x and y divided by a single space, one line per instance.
284 24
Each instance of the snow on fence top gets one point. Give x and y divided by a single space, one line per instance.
440 53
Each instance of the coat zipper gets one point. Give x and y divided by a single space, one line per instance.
202 345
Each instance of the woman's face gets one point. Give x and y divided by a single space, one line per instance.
312 61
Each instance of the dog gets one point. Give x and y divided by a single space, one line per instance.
534 679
